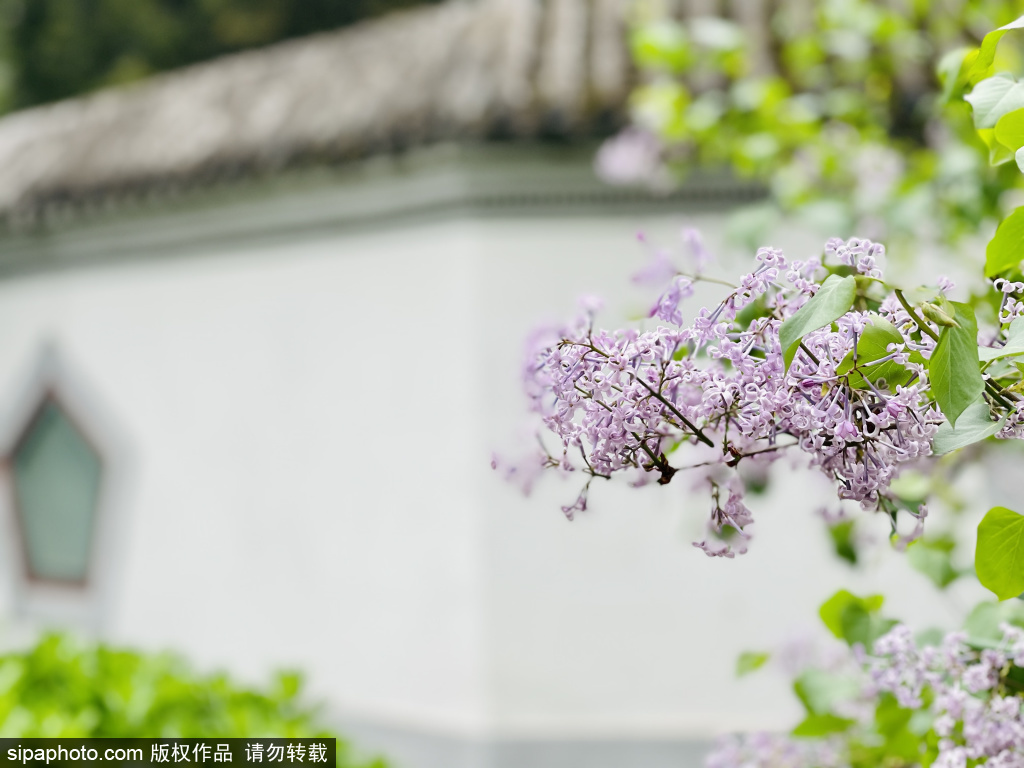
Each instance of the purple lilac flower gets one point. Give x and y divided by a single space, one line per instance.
632 157
717 391
977 717
701 255
767 750
667 306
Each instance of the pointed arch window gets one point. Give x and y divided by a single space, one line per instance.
56 472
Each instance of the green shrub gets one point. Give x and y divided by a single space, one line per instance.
65 687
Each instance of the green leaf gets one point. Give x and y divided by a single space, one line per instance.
819 690
893 723
1006 248
1010 130
661 44
1014 679
999 556
949 68
750 661
844 614
906 746
833 300
1014 344
934 560
864 627
890 717
953 368
940 312
911 486
985 619
921 293
876 338
843 540
997 153
993 98
975 424
816 726
978 64
872 346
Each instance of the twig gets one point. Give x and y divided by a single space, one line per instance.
698 433
810 354
926 329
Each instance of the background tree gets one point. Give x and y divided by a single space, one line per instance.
842 108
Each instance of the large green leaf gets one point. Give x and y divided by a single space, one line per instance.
999 555
1014 344
1006 139
953 368
975 424
977 64
993 98
1010 130
854 619
997 153
864 627
877 335
1006 248
833 300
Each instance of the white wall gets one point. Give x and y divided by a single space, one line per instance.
311 423
301 496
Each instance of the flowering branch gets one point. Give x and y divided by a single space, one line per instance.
854 376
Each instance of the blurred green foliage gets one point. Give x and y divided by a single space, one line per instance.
63 687
53 49
841 107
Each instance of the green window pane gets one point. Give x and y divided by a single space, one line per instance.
56 485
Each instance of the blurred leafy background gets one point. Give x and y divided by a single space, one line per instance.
841 107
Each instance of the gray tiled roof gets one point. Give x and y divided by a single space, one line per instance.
463 70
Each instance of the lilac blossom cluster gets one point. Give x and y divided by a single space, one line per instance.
1011 308
769 750
966 691
978 716
717 388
